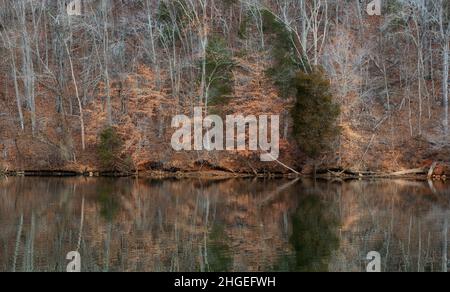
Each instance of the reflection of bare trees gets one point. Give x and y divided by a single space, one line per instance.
402 220
239 225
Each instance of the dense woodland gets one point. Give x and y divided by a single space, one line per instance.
95 85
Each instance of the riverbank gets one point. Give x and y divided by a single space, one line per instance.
437 172
145 174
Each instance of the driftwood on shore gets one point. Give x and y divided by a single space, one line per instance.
423 172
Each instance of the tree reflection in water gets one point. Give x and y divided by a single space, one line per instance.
314 234
225 225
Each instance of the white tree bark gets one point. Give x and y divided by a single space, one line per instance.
28 70
83 143
445 77
445 39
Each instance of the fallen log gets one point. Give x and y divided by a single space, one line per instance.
360 172
410 171
372 174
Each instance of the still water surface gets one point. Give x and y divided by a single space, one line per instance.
228 225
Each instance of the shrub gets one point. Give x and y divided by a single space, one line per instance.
110 151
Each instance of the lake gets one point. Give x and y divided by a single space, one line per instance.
225 225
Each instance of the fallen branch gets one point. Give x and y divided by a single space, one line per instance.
284 165
431 171
251 167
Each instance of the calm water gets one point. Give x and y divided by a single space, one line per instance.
231 225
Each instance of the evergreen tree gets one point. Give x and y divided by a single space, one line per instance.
314 113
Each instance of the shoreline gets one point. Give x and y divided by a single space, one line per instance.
417 174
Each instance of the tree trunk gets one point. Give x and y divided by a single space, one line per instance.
83 143
445 77
16 89
105 55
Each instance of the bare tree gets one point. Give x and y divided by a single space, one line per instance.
444 31
7 41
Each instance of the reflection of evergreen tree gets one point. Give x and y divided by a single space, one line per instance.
219 252
109 202
314 236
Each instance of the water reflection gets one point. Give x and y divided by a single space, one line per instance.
229 225
314 233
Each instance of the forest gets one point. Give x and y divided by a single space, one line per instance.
348 95
92 85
